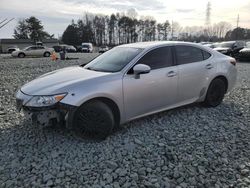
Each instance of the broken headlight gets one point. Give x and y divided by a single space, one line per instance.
46 100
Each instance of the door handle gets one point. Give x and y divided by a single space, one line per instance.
171 74
209 66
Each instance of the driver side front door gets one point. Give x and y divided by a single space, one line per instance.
155 90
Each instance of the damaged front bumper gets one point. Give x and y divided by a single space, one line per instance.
58 113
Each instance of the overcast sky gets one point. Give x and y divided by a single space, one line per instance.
57 14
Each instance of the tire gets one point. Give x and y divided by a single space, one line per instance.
21 55
94 119
46 54
215 93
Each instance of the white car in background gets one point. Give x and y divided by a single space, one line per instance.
34 51
87 47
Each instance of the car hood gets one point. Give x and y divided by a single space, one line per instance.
221 49
245 50
58 81
17 51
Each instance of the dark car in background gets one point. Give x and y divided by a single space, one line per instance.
57 48
67 48
230 48
244 54
70 49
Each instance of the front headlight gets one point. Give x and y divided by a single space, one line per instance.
43 101
223 51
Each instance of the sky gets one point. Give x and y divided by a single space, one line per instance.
57 14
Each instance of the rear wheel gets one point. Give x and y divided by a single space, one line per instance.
215 93
21 55
94 119
46 54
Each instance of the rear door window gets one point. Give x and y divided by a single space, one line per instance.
188 54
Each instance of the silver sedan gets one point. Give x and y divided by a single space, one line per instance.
128 82
33 51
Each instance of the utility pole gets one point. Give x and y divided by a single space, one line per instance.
238 20
172 30
237 26
208 14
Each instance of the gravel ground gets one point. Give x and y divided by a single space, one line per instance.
190 146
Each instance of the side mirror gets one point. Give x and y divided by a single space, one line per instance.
141 69
235 46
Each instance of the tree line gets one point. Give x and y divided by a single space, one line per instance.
121 28
115 29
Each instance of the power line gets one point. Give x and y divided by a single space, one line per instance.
5 22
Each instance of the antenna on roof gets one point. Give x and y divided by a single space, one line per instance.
5 22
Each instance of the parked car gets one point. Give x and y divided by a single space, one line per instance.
67 48
70 49
12 49
230 48
78 48
87 47
35 51
128 82
212 45
244 54
57 48
103 49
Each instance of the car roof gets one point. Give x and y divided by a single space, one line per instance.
147 45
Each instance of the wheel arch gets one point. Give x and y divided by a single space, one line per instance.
223 78
111 104
21 53
46 52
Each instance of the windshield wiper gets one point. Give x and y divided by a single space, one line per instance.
98 70
89 68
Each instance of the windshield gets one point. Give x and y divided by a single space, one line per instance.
27 48
226 44
114 60
85 46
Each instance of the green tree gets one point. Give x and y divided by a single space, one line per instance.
71 35
31 28
36 30
21 30
237 34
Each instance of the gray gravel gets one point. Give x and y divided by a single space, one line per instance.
190 146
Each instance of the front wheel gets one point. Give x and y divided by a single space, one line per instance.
94 119
215 93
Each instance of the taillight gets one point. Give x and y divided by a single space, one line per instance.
233 62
